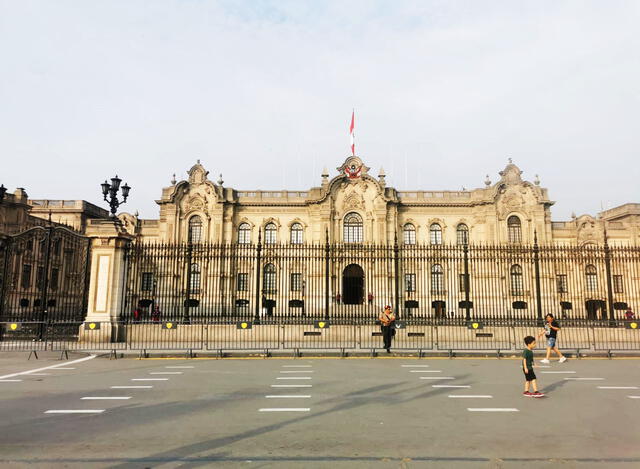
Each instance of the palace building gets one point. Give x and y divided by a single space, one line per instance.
345 248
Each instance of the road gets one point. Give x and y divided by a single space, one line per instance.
355 413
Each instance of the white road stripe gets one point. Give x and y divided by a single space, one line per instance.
437 377
414 366
633 397
543 366
105 398
179 367
450 386
559 372
617 387
470 396
65 368
293 377
75 411
425 371
10 380
48 367
284 409
291 385
492 409
299 396
166 373
297 366
297 371
149 379
131 387
584 379
40 374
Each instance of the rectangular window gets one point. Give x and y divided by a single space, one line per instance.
53 284
561 282
147 281
68 261
242 283
618 284
40 278
463 283
26 276
410 282
296 282
437 283
409 236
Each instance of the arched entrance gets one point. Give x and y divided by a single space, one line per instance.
353 285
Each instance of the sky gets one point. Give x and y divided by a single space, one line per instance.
262 91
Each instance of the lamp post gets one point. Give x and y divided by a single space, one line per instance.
111 190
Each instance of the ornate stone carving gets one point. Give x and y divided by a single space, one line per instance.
195 203
353 201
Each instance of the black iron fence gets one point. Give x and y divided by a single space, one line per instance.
44 275
192 283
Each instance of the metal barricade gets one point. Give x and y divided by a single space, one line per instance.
164 336
22 336
242 335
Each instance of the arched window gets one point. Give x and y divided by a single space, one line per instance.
462 235
435 234
296 233
514 228
270 232
244 233
517 286
352 232
437 279
195 229
269 279
592 277
194 278
409 234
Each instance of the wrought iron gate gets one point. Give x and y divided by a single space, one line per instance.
44 275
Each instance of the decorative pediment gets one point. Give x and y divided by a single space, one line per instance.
197 174
511 174
353 168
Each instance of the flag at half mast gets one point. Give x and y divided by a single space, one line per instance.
353 142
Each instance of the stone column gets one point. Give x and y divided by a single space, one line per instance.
106 284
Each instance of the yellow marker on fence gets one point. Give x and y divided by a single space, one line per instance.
244 325
321 324
14 326
93 326
169 325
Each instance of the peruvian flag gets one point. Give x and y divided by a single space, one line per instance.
353 142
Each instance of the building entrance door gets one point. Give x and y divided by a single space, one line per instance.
596 309
353 285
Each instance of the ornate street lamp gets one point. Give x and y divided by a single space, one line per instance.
111 190
3 191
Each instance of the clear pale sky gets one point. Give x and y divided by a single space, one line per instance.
262 92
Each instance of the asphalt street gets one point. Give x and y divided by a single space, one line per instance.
307 413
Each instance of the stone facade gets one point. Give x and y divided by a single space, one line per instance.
384 211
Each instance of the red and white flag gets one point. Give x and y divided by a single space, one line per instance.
353 142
